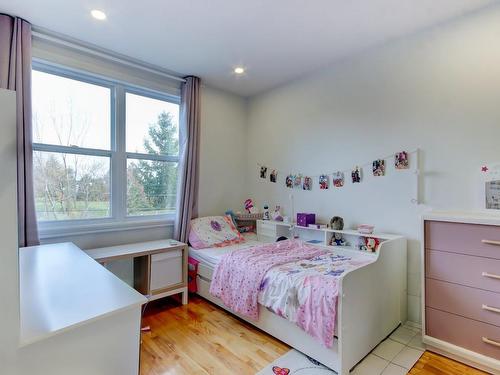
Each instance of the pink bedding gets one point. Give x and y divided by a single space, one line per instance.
238 276
295 280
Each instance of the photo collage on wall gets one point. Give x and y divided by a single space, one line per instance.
306 182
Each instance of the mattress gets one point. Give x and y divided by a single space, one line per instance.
211 256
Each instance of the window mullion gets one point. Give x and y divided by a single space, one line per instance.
119 159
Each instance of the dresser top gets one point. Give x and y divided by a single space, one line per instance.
62 288
472 217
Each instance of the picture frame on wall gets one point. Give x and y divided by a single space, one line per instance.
491 186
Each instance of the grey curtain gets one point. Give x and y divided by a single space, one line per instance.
15 74
189 136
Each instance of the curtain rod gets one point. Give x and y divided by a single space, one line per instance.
64 41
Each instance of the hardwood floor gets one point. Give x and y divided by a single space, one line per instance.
200 338
434 364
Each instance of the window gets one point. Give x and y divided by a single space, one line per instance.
103 150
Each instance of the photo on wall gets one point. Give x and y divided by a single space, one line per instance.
263 172
338 179
401 160
289 181
297 181
307 183
273 177
492 194
356 175
323 182
378 167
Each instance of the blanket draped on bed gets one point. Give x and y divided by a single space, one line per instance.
306 292
238 276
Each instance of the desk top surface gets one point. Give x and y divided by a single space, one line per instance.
61 288
134 249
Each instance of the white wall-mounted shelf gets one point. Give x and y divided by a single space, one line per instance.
270 231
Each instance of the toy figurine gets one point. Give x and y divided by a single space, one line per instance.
250 207
266 213
337 240
371 244
337 223
276 216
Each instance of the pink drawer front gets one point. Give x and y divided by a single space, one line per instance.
476 272
462 300
472 239
463 332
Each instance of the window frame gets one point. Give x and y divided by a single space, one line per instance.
118 156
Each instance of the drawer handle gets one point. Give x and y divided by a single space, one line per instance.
491 242
491 342
489 308
491 275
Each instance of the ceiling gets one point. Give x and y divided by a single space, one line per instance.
275 40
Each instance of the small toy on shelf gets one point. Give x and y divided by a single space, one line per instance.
365 228
337 223
371 244
266 213
249 206
276 216
304 219
337 240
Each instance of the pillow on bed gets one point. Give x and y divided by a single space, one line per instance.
213 231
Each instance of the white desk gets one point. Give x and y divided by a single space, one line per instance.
160 267
61 288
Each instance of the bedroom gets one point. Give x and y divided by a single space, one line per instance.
177 119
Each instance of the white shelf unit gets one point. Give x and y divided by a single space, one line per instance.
270 231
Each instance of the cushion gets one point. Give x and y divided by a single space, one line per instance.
213 231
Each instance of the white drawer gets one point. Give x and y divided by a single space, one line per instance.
266 229
166 269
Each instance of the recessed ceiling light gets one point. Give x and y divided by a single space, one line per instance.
98 14
239 70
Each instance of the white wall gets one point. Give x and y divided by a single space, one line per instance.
438 91
222 152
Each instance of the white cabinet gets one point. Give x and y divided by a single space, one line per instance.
166 270
270 231
160 267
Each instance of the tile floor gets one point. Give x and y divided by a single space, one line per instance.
394 356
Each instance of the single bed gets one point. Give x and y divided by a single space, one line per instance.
370 303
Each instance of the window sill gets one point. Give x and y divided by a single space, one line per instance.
49 230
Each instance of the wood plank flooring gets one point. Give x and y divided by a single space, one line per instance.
201 338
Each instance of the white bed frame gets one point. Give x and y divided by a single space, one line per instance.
372 303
